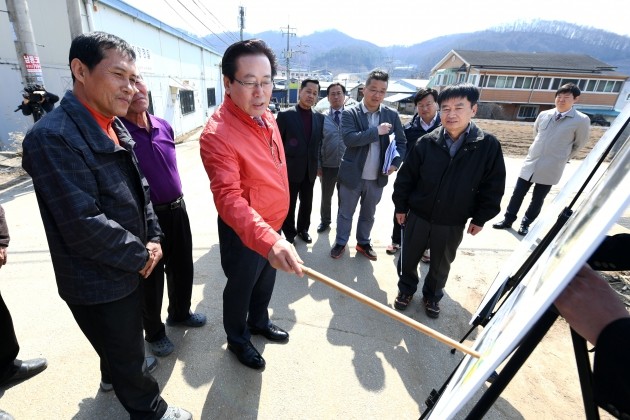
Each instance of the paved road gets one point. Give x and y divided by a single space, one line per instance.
344 360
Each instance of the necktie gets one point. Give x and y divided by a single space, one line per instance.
337 117
558 116
259 121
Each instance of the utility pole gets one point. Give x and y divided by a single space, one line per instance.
241 19
287 55
25 46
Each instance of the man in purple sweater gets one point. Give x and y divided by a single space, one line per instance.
155 150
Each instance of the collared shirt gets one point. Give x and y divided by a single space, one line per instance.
454 145
157 159
426 126
372 163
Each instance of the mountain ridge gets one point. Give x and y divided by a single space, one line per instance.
337 52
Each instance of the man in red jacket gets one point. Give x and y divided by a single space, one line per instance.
242 152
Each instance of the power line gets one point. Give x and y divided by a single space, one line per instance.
226 31
200 21
184 20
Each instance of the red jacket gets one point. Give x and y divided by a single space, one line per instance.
248 174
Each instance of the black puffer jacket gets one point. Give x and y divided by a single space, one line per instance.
448 191
414 130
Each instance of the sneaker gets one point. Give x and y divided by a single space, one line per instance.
392 248
337 251
176 413
162 347
193 321
426 257
431 308
402 301
367 250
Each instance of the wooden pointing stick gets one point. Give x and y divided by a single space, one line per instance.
388 311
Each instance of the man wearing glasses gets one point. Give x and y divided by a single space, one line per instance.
242 153
366 131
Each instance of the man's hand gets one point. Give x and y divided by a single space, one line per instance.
401 218
319 172
384 128
283 256
589 304
3 255
474 229
155 255
391 170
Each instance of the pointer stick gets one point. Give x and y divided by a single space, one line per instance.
388 311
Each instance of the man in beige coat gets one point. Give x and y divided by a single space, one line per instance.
559 134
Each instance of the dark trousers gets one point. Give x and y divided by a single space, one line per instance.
177 263
520 190
250 281
9 347
396 232
115 331
304 190
328 181
443 242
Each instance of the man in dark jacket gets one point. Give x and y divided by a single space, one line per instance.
301 129
424 121
453 174
103 235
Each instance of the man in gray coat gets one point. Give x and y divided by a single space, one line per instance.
559 134
366 129
331 151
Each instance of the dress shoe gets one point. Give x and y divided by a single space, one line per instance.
523 230
193 320
323 227
273 333
26 369
503 224
305 237
247 355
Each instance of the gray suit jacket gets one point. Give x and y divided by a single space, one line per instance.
357 135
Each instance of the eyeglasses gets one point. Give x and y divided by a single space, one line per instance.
265 84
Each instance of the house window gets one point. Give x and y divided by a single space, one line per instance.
544 84
524 83
187 101
492 81
212 100
472 78
527 111
582 84
461 77
600 86
555 84
590 87
617 87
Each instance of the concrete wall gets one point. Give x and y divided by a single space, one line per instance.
170 62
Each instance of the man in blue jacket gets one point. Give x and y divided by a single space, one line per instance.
366 129
453 174
103 235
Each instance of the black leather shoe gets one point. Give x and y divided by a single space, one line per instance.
323 227
273 333
305 237
247 355
523 230
26 369
503 224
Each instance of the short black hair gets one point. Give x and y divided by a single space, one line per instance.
332 85
377 75
90 48
461 90
307 81
569 88
247 47
423 93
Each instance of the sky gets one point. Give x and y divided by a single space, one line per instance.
395 22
